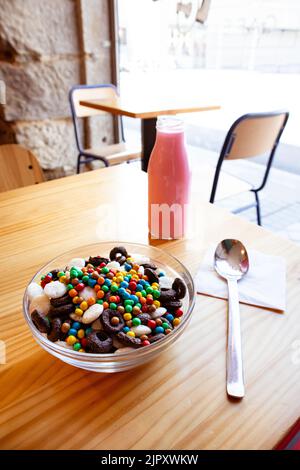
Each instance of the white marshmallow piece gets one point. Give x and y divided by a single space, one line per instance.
87 293
141 330
165 282
159 312
41 303
140 259
55 289
92 313
113 265
33 290
77 263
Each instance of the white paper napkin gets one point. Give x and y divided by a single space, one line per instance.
263 285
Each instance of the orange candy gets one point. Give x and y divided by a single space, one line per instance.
73 293
100 294
91 301
97 287
101 280
105 305
143 300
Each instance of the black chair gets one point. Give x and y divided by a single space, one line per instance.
108 154
252 135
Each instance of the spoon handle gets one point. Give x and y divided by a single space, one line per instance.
235 376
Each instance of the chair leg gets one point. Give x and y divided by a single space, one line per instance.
78 164
258 212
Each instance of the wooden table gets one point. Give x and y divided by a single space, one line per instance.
177 402
147 110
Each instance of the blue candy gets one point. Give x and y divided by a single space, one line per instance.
107 282
126 329
169 317
126 296
161 274
88 331
92 282
124 284
134 298
139 287
76 325
72 331
159 329
128 267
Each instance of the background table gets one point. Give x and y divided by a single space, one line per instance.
148 111
179 400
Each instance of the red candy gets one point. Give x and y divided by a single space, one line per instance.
80 286
83 342
144 308
132 286
146 343
151 324
179 313
102 265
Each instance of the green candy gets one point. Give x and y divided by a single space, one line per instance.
70 286
73 273
61 273
144 293
156 294
165 326
113 306
105 270
77 346
149 290
128 302
105 288
114 288
138 305
99 301
85 278
128 308
136 322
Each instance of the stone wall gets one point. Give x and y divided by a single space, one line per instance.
45 48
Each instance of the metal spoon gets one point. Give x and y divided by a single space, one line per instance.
232 263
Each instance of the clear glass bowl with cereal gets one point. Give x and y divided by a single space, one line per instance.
110 306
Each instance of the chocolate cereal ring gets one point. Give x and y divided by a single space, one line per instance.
180 288
61 311
152 276
64 300
97 260
106 317
116 250
40 322
129 340
173 305
167 296
153 339
99 342
149 265
144 317
54 334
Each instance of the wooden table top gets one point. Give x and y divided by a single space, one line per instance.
177 402
145 109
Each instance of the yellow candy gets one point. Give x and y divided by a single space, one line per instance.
71 340
176 321
78 312
156 303
155 285
138 294
75 300
135 277
132 271
114 278
81 350
129 333
119 279
63 279
129 259
84 305
80 333
127 316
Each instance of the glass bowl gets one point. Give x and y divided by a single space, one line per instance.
123 360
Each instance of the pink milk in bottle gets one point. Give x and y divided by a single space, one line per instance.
168 181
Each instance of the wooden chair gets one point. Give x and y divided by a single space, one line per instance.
252 135
18 167
108 154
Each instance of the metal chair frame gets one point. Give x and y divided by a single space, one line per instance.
88 157
228 143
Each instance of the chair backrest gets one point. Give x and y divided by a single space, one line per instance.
90 92
18 167
254 134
